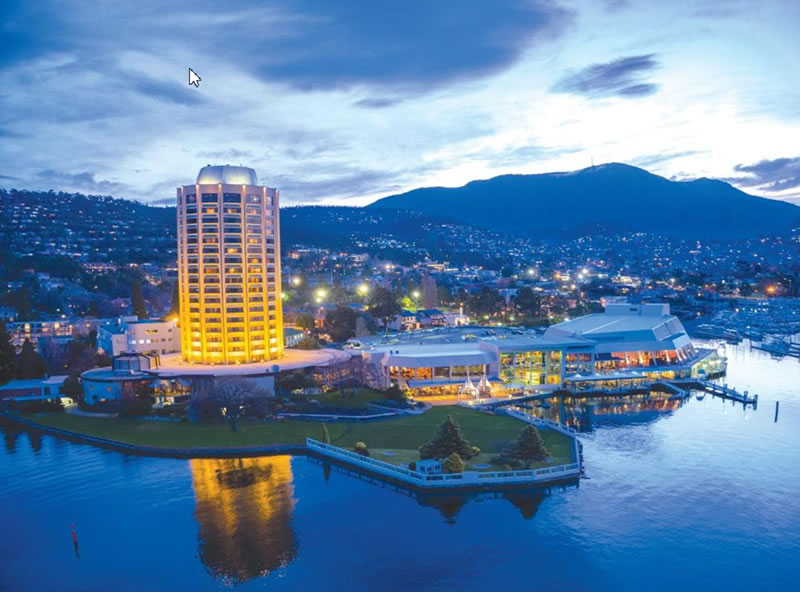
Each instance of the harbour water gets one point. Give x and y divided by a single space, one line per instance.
699 495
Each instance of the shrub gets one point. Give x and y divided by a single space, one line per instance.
412 466
453 464
361 449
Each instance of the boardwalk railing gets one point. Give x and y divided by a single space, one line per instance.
465 479
538 421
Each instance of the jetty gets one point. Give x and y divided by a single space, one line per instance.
718 390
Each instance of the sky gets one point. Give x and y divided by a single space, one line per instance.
345 102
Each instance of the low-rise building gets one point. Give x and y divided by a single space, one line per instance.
625 345
130 336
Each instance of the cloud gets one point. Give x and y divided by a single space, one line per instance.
376 102
649 160
346 183
81 182
170 91
413 46
163 201
620 77
775 175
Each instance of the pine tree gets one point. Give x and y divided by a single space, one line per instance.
8 355
448 439
137 301
29 362
529 447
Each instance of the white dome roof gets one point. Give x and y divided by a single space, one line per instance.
227 175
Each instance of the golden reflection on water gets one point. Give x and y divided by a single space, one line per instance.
244 510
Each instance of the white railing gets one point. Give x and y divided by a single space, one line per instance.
443 479
539 421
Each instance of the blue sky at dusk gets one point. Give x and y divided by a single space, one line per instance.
345 102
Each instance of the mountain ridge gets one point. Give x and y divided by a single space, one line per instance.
614 195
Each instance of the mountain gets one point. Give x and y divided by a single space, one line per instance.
607 198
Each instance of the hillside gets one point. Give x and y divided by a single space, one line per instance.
606 198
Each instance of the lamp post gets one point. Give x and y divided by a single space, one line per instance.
415 295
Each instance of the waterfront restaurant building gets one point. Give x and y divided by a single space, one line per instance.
229 268
621 347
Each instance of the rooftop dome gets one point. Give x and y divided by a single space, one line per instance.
227 175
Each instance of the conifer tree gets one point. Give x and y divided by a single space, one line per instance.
448 439
137 301
529 447
8 355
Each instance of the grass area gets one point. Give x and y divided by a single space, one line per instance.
405 433
356 398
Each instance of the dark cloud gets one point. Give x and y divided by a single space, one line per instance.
376 103
161 90
620 77
649 160
779 174
81 182
617 5
348 183
411 46
163 201
9 177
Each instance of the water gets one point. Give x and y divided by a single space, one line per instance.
699 497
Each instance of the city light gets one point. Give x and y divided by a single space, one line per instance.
363 289
321 294
296 280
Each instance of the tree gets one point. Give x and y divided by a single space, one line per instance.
231 397
383 305
72 387
8 355
448 439
29 363
529 447
308 343
175 307
305 321
326 437
453 464
137 300
340 323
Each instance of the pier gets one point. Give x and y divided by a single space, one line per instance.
718 390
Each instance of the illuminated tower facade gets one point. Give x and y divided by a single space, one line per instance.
229 269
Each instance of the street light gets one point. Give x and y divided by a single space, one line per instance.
363 289
296 281
415 295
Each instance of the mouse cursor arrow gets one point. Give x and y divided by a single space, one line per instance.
194 78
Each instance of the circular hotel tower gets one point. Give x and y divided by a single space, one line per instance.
229 270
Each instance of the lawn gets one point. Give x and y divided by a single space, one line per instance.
403 434
357 398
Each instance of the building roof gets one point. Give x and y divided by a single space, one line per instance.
622 323
226 175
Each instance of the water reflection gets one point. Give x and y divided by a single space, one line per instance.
585 413
244 511
527 501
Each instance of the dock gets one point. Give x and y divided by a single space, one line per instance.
718 390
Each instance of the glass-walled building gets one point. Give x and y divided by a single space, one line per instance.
229 268
625 346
